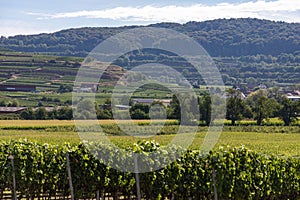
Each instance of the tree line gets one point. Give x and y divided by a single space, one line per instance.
221 37
260 106
63 113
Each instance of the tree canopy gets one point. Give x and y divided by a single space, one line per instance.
221 37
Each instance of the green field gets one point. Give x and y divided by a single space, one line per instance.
273 140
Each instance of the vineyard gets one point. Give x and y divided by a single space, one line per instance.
39 171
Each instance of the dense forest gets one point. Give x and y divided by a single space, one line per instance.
222 37
247 51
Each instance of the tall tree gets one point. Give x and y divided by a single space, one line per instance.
289 110
41 113
139 111
235 105
184 107
27 114
205 108
157 110
85 109
65 113
263 109
262 106
174 111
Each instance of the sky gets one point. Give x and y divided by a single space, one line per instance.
45 16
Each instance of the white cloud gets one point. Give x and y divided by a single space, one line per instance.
285 10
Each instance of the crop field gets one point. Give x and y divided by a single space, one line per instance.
265 156
270 140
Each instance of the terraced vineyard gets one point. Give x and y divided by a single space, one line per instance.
45 72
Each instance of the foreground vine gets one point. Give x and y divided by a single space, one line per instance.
239 173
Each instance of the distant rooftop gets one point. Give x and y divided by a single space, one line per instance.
293 98
11 109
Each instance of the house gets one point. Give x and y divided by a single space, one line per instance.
86 87
122 107
48 108
14 110
165 102
93 87
143 101
21 88
226 95
262 86
293 98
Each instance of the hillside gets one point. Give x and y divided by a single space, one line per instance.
45 72
248 52
222 37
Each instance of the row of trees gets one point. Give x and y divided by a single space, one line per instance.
259 105
181 107
63 113
9 103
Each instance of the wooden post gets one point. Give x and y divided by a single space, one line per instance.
14 197
103 195
70 176
98 195
137 177
214 181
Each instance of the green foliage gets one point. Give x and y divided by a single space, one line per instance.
62 113
247 52
105 111
157 111
41 114
139 114
185 108
85 109
221 37
240 173
9 103
262 106
235 105
27 114
205 108
139 111
174 111
104 114
64 88
289 111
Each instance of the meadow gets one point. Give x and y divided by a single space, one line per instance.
270 140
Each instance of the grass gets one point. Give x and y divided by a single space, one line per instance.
49 123
275 144
41 136
26 123
283 141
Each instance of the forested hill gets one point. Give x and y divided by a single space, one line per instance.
222 37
